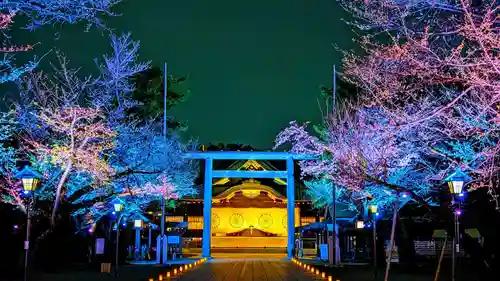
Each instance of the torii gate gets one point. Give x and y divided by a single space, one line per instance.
209 156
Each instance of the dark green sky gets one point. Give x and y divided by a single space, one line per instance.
254 65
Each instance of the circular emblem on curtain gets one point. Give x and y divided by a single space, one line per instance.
215 220
236 220
265 221
284 221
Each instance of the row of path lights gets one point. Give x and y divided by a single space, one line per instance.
311 269
177 271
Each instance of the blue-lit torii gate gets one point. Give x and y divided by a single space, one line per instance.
210 156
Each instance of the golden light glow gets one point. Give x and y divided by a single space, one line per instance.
138 223
329 278
317 272
251 217
185 267
180 269
307 220
322 275
175 219
151 279
29 184
175 271
168 274
160 277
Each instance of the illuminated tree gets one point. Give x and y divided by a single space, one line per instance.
143 160
79 139
9 191
321 194
437 74
8 71
366 154
50 12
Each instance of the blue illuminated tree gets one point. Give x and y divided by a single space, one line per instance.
50 12
142 158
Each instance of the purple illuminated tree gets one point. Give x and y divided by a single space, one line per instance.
365 154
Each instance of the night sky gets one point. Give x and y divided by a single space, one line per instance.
253 65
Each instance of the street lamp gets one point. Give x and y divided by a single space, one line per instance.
360 224
456 181
373 208
29 179
456 185
117 204
138 226
118 207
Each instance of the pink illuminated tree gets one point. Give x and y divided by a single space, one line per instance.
437 75
78 140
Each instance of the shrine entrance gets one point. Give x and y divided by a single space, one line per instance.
210 174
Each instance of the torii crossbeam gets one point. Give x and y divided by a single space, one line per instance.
209 156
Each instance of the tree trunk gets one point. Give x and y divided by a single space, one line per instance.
60 185
391 245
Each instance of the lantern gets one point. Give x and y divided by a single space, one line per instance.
456 181
137 223
29 178
360 224
117 204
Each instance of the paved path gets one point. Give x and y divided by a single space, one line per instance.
247 269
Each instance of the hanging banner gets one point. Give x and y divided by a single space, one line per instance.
99 246
173 240
323 252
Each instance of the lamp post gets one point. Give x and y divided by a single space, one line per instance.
138 226
456 184
373 210
29 179
117 207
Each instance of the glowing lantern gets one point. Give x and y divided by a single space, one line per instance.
456 181
360 224
117 204
29 178
137 223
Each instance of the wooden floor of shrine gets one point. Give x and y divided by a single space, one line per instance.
247 269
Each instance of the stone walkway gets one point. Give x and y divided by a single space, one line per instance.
248 269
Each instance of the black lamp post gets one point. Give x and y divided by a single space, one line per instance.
29 179
373 208
456 184
117 207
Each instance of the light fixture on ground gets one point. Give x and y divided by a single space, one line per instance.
456 182
30 180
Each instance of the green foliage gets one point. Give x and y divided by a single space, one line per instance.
149 93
